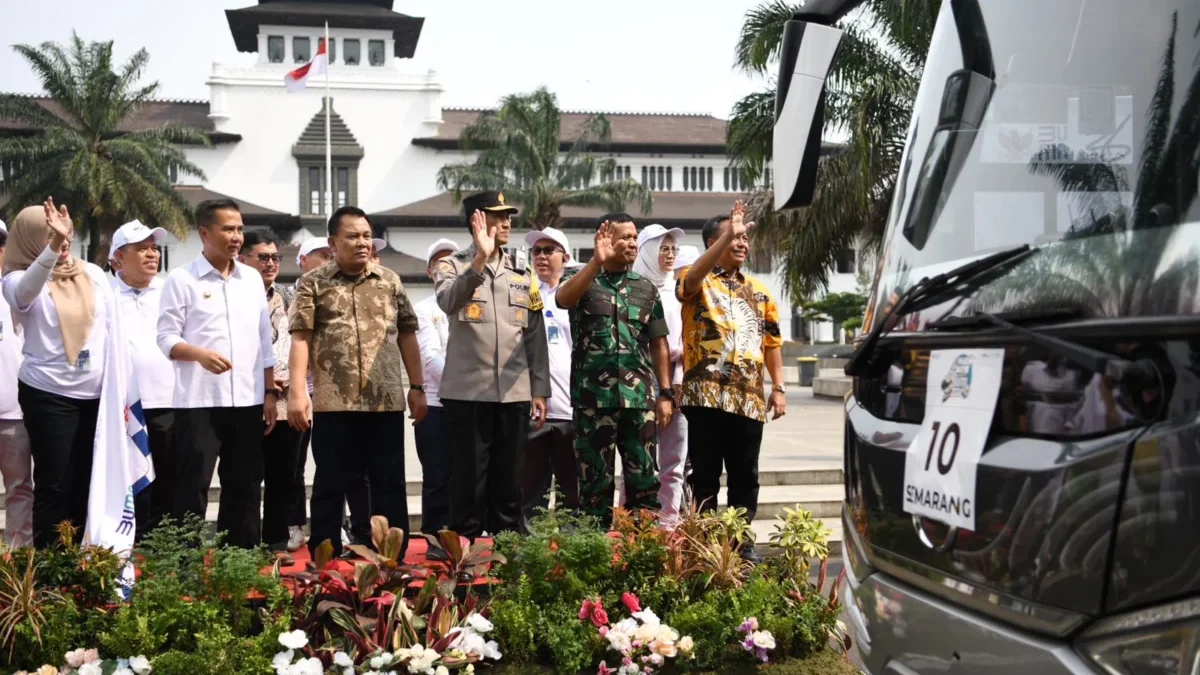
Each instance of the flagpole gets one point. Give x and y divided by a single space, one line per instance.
328 146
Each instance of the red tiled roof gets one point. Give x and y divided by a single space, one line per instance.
662 128
152 114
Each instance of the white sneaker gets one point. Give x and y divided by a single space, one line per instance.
295 538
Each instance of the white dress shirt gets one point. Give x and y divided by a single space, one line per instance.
226 315
11 339
154 372
45 364
558 341
432 336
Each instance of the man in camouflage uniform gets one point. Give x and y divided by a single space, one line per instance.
619 362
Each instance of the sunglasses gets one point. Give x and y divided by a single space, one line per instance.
268 257
545 250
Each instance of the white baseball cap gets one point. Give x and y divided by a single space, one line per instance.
3 227
655 231
379 244
687 256
310 246
439 246
134 232
552 233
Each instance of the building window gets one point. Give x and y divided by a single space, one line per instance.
314 190
301 50
644 179
619 173
352 50
275 48
708 179
343 183
669 186
332 48
735 180
846 262
375 54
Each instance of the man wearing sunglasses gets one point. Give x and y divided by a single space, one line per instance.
550 449
281 448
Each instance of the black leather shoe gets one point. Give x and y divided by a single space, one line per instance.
750 555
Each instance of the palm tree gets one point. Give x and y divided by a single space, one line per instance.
519 146
869 97
81 155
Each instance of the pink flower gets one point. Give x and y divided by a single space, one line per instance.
603 631
604 670
631 602
586 610
91 656
74 658
599 616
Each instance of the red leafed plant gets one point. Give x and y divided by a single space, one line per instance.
464 562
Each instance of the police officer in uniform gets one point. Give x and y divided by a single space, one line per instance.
497 375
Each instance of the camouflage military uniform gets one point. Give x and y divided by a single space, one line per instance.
614 389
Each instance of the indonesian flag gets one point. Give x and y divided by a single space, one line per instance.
297 80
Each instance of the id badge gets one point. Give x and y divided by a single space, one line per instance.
552 334
84 362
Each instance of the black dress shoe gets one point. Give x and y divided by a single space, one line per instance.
750 555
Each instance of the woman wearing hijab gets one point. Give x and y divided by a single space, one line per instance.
657 248
62 304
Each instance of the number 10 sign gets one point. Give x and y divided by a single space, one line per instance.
941 463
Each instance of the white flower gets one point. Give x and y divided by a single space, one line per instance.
309 666
442 670
378 662
491 650
282 660
763 639
140 664
122 671
480 624
374 672
619 641
296 639
647 617
686 644
74 658
343 660
347 671
91 669
656 659
628 626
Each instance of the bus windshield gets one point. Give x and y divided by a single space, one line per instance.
1075 132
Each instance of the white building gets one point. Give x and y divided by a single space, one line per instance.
390 135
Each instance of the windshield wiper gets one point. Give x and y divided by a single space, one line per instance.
920 294
1141 371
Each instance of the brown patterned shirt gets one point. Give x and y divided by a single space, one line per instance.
356 324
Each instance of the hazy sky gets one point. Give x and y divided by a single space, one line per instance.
618 55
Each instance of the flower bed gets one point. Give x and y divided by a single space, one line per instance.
639 600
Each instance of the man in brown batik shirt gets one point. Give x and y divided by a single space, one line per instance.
356 321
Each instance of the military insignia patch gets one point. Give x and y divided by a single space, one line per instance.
520 314
473 312
500 198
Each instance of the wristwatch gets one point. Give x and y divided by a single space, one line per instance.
667 393
780 388
417 387
272 391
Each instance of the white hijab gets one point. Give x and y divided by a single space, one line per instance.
647 265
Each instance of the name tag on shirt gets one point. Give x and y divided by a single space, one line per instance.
84 362
553 335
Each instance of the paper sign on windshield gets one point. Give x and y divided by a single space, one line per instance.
940 466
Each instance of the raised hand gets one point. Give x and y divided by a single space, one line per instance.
737 226
485 241
602 244
59 222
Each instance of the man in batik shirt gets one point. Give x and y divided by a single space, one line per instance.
730 331
620 371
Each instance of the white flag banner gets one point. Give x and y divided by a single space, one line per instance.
297 79
121 465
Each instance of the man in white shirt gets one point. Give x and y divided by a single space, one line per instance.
138 290
550 449
16 462
216 328
432 449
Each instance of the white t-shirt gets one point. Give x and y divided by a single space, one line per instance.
139 309
45 364
11 339
558 341
432 336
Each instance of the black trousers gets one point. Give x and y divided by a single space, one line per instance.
154 503
436 465
281 490
488 445
62 432
716 437
235 437
358 503
299 515
549 451
349 443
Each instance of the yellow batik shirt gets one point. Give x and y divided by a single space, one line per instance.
727 327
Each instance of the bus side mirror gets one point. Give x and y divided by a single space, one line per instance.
805 59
